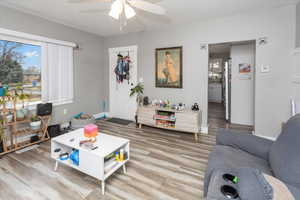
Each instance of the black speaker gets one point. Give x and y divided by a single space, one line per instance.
44 109
195 107
34 138
54 130
146 101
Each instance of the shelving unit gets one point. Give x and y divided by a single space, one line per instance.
166 118
16 137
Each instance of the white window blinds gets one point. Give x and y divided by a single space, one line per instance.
57 74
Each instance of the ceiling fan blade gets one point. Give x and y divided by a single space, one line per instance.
154 1
146 6
153 18
87 1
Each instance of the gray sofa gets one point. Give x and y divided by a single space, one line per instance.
280 158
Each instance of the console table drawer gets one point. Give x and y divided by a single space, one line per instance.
186 128
145 120
145 110
190 116
147 113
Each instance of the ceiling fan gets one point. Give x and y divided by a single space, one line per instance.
124 10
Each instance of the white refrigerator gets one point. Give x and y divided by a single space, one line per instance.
227 88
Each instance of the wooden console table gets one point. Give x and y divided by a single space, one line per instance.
184 120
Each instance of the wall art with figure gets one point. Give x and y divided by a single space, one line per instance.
168 67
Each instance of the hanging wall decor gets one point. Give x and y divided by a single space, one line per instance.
168 67
244 71
122 69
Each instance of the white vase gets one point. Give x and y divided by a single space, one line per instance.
35 125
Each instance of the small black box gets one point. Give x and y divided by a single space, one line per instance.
34 138
44 109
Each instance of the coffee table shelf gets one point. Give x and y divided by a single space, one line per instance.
91 162
67 163
115 168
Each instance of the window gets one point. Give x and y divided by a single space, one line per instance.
20 65
43 66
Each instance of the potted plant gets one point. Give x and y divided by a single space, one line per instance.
9 117
3 101
138 90
22 112
35 123
21 96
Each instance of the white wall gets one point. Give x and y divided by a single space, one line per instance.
298 26
272 92
242 88
295 77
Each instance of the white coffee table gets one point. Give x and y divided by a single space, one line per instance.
91 162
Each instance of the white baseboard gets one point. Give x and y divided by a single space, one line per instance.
266 137
204 129
101 115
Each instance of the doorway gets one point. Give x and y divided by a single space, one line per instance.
121 105
231 79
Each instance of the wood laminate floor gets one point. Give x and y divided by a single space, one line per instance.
164 165
216 119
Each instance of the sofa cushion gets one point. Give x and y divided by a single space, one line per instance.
226 157
284 154
252 144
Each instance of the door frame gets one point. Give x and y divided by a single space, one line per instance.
254 73
133 80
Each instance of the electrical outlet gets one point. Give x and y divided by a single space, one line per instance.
65 111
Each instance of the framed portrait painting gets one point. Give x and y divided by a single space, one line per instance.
168 73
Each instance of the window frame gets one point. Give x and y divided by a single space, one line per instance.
31 105
27 38
20 40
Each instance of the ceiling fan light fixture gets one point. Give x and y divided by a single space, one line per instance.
116 9
114 15
129 11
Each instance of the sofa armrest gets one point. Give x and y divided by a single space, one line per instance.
251 184
245 141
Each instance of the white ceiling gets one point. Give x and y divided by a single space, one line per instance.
179 11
